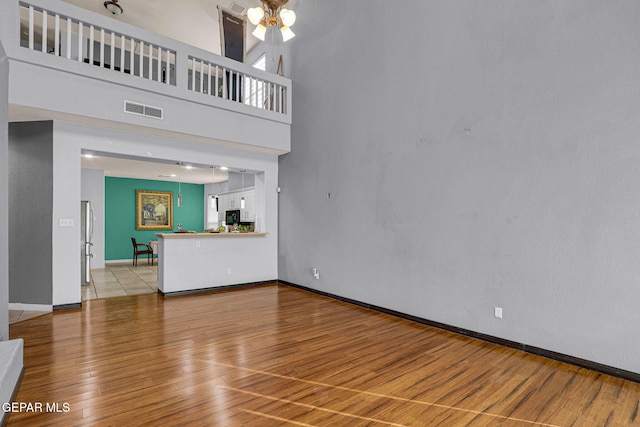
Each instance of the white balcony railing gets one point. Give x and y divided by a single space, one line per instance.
51 33
57 29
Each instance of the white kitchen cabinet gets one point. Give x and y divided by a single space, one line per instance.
223 201
249 211
231 201
234 201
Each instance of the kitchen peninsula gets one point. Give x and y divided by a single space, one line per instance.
191 262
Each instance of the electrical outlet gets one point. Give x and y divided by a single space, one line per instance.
197 243
229 271
316 273
66 222
497 312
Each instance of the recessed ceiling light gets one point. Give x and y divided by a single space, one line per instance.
224 168
189 167
88 156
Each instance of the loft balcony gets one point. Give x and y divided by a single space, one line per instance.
67 63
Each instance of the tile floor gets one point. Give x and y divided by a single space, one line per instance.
20 315
122 279
112 281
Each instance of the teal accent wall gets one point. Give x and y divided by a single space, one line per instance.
120 212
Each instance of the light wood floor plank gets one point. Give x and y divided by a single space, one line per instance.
275 355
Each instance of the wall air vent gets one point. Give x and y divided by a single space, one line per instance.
153 112
238 9
142 110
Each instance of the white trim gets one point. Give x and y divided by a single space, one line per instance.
30 307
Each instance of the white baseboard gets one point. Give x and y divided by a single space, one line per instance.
119 261
30 307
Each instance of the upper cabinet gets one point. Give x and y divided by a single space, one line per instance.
233 201
249 212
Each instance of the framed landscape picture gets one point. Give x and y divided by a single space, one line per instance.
154 210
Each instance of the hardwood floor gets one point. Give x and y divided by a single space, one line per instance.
275 355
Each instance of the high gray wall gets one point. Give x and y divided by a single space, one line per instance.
478 154
4 196
31 212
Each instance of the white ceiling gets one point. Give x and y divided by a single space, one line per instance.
163 171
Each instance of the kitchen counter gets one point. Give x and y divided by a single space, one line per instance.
208 235
191 262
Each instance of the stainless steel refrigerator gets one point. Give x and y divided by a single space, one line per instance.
86 232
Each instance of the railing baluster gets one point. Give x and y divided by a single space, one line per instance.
101 47
225 84
141 58
44 31
80 38
268 107
91 47
201 76
150 62
209 78
56 37
254 92
238 83
31 19
69 24
112 52
159 66
274 96
167 75
122 49
132 58
216 82
282 99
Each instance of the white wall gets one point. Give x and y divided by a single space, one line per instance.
92 189
4 197
478 154
201 262
70 139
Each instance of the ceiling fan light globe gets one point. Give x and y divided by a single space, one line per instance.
260 31
255 15
287 34
288 17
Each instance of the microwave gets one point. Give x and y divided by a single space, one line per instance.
233 217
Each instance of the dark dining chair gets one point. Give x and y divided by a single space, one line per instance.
141 249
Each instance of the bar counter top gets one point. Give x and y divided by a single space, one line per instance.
208 235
